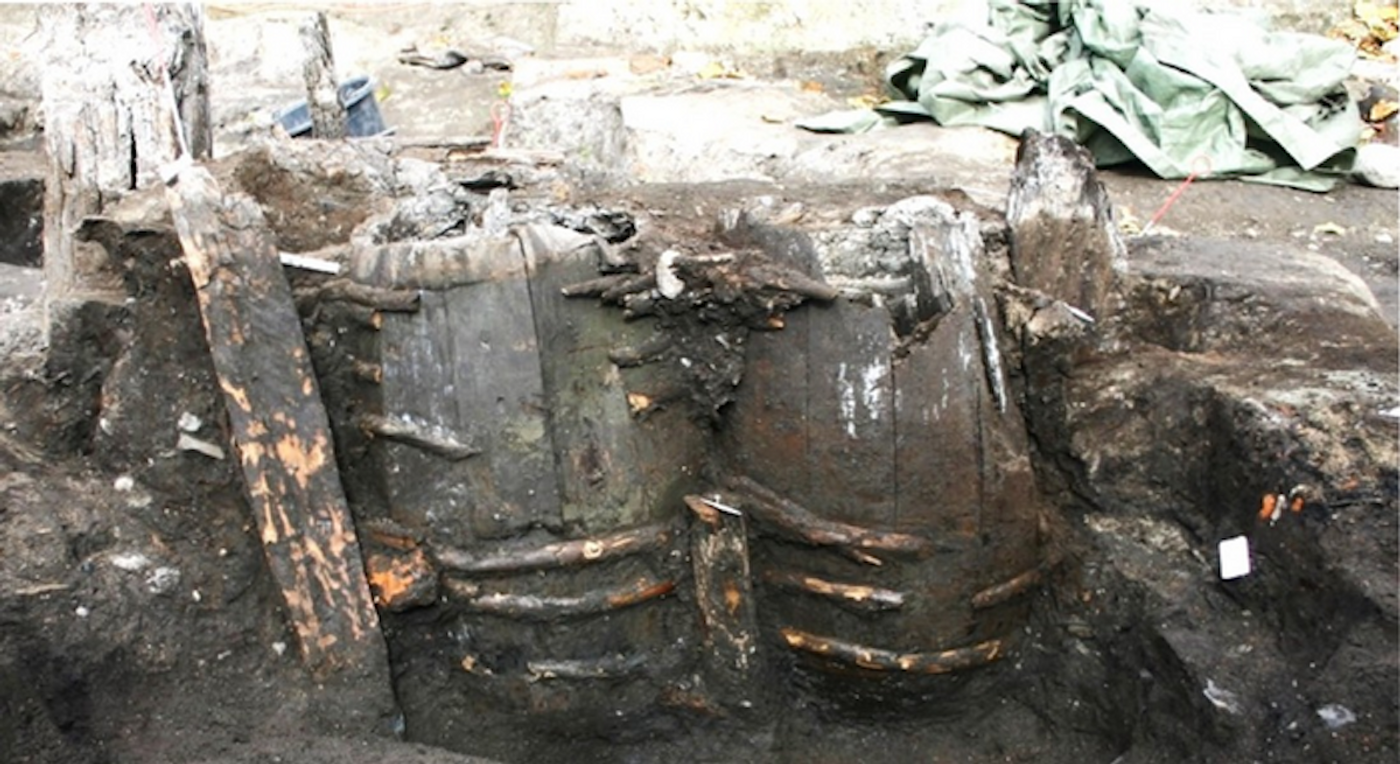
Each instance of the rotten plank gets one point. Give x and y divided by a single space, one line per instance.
765 434
614 468
467 364
279 427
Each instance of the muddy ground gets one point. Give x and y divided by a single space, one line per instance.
139 623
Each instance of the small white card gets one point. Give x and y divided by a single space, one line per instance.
1234 558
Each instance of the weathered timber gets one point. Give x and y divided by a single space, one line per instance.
586 668
794 519
318 74
1064 241
436 264
1007 590
467 362
401 579
719 556
431 439
562 554
623 454
877 659
858 596
850 409
338 290
535 607
279 427
594 287
120 83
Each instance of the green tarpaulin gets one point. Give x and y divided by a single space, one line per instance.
1178 90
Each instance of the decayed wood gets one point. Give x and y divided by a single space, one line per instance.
588 668
345 290
858 596
435 264
110 121
1064 241
877 659
719 555
534 607
1006 590
279 427
618 457
793 519
433 440
562 554
318 73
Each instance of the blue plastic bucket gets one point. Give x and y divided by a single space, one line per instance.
362 118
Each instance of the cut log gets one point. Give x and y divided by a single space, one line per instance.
281 431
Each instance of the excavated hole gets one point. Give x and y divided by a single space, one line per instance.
1109 655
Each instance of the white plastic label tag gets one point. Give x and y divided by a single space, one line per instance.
1234 558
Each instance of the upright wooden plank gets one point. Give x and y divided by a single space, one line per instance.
280 429
467 366
425 491
850 414
600 481
498 387
765 433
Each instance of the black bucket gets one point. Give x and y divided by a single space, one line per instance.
362 118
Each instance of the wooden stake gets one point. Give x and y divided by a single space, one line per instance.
724 592
279 427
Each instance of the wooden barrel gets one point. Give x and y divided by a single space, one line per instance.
888 472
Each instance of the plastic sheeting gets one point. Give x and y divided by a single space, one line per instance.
1183 92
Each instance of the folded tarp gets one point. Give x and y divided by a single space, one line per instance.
1180 91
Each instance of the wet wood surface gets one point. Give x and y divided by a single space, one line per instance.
280 428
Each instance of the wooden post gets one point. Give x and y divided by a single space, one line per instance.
1064 241
281 432
719 553
109 122
318 71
